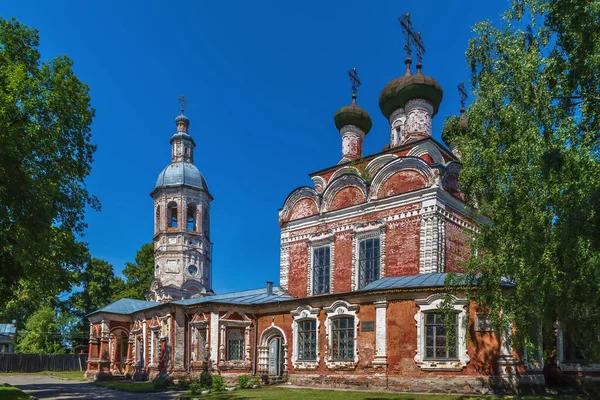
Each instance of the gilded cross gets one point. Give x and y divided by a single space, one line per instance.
183 102
463 96
355 81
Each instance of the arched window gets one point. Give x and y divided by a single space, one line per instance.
191 217
206 224
157 219
172 215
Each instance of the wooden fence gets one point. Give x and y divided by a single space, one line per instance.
42 362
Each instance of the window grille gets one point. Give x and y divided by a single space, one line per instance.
235 344
321 263
368 261
439 343
202 344
307 340
342 343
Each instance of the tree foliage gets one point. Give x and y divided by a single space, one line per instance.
531 163
45 155
139 274
42 333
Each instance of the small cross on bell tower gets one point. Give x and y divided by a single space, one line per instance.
183 101
463 96
353 75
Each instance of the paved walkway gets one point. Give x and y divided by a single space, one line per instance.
47 387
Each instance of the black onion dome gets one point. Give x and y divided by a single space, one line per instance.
399 91
182 118
353 115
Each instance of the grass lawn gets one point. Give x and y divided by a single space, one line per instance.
128 386
72 375
8 392
276 393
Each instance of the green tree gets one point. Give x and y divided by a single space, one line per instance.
139 274
42 333
530 148
45 155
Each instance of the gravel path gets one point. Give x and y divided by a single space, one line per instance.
46 387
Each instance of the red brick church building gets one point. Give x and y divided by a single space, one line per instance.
364 255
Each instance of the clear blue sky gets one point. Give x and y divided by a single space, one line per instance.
263 80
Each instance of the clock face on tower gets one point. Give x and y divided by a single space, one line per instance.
192 270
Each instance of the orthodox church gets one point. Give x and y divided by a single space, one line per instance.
364 253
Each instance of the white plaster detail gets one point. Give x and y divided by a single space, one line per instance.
214 338
380 332
560 356
297 195
266 336
284 265
431 304
427 148
401 163
335 186
244 323
379 162
352 137
300 314
432 246
365 231
340 308
397 127
319 183
347 170
418 118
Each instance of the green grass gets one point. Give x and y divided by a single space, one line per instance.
138 387
276 393
8 392
71 375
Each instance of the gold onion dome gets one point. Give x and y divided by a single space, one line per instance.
353 115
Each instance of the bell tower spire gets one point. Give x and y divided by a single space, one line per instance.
182 143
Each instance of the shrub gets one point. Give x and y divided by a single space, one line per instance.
196 388
160 383
217 384
182 384
255 380
206 380
243 381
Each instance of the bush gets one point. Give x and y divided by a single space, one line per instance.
254 381
196 388
160 383
243 381
217 384
182 384
205 380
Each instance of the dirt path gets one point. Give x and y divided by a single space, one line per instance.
46 387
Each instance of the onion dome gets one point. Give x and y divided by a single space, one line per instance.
182 118
181 174
399 91
353 115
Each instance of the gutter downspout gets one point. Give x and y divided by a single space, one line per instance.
255 344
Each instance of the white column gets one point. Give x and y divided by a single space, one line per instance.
380 332
214 338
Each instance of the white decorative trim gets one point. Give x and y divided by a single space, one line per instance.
344 181
365 231
380 332
225 323
379 162
340 308
303 313
432 246
560 356
214 338
347 170
284 264
400 164
432 303
321 239
427 148
319 183
297 195
269 333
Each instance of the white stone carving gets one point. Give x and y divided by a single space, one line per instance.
418 118
401 163
430 304
342 182
297 195
263 349
317 240
284 265
432 247
352 137
427 148
379 162
397 127
365 231
380 333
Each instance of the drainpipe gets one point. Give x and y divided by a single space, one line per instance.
255 344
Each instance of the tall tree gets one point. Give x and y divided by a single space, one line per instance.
139 274
45 155
530 146
42 334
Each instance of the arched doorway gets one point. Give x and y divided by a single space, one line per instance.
273 353
119 350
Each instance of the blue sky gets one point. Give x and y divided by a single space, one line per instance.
263 80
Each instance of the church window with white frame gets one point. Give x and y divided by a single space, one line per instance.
342 341
440 342
307 340
368 261
321 269
235 344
